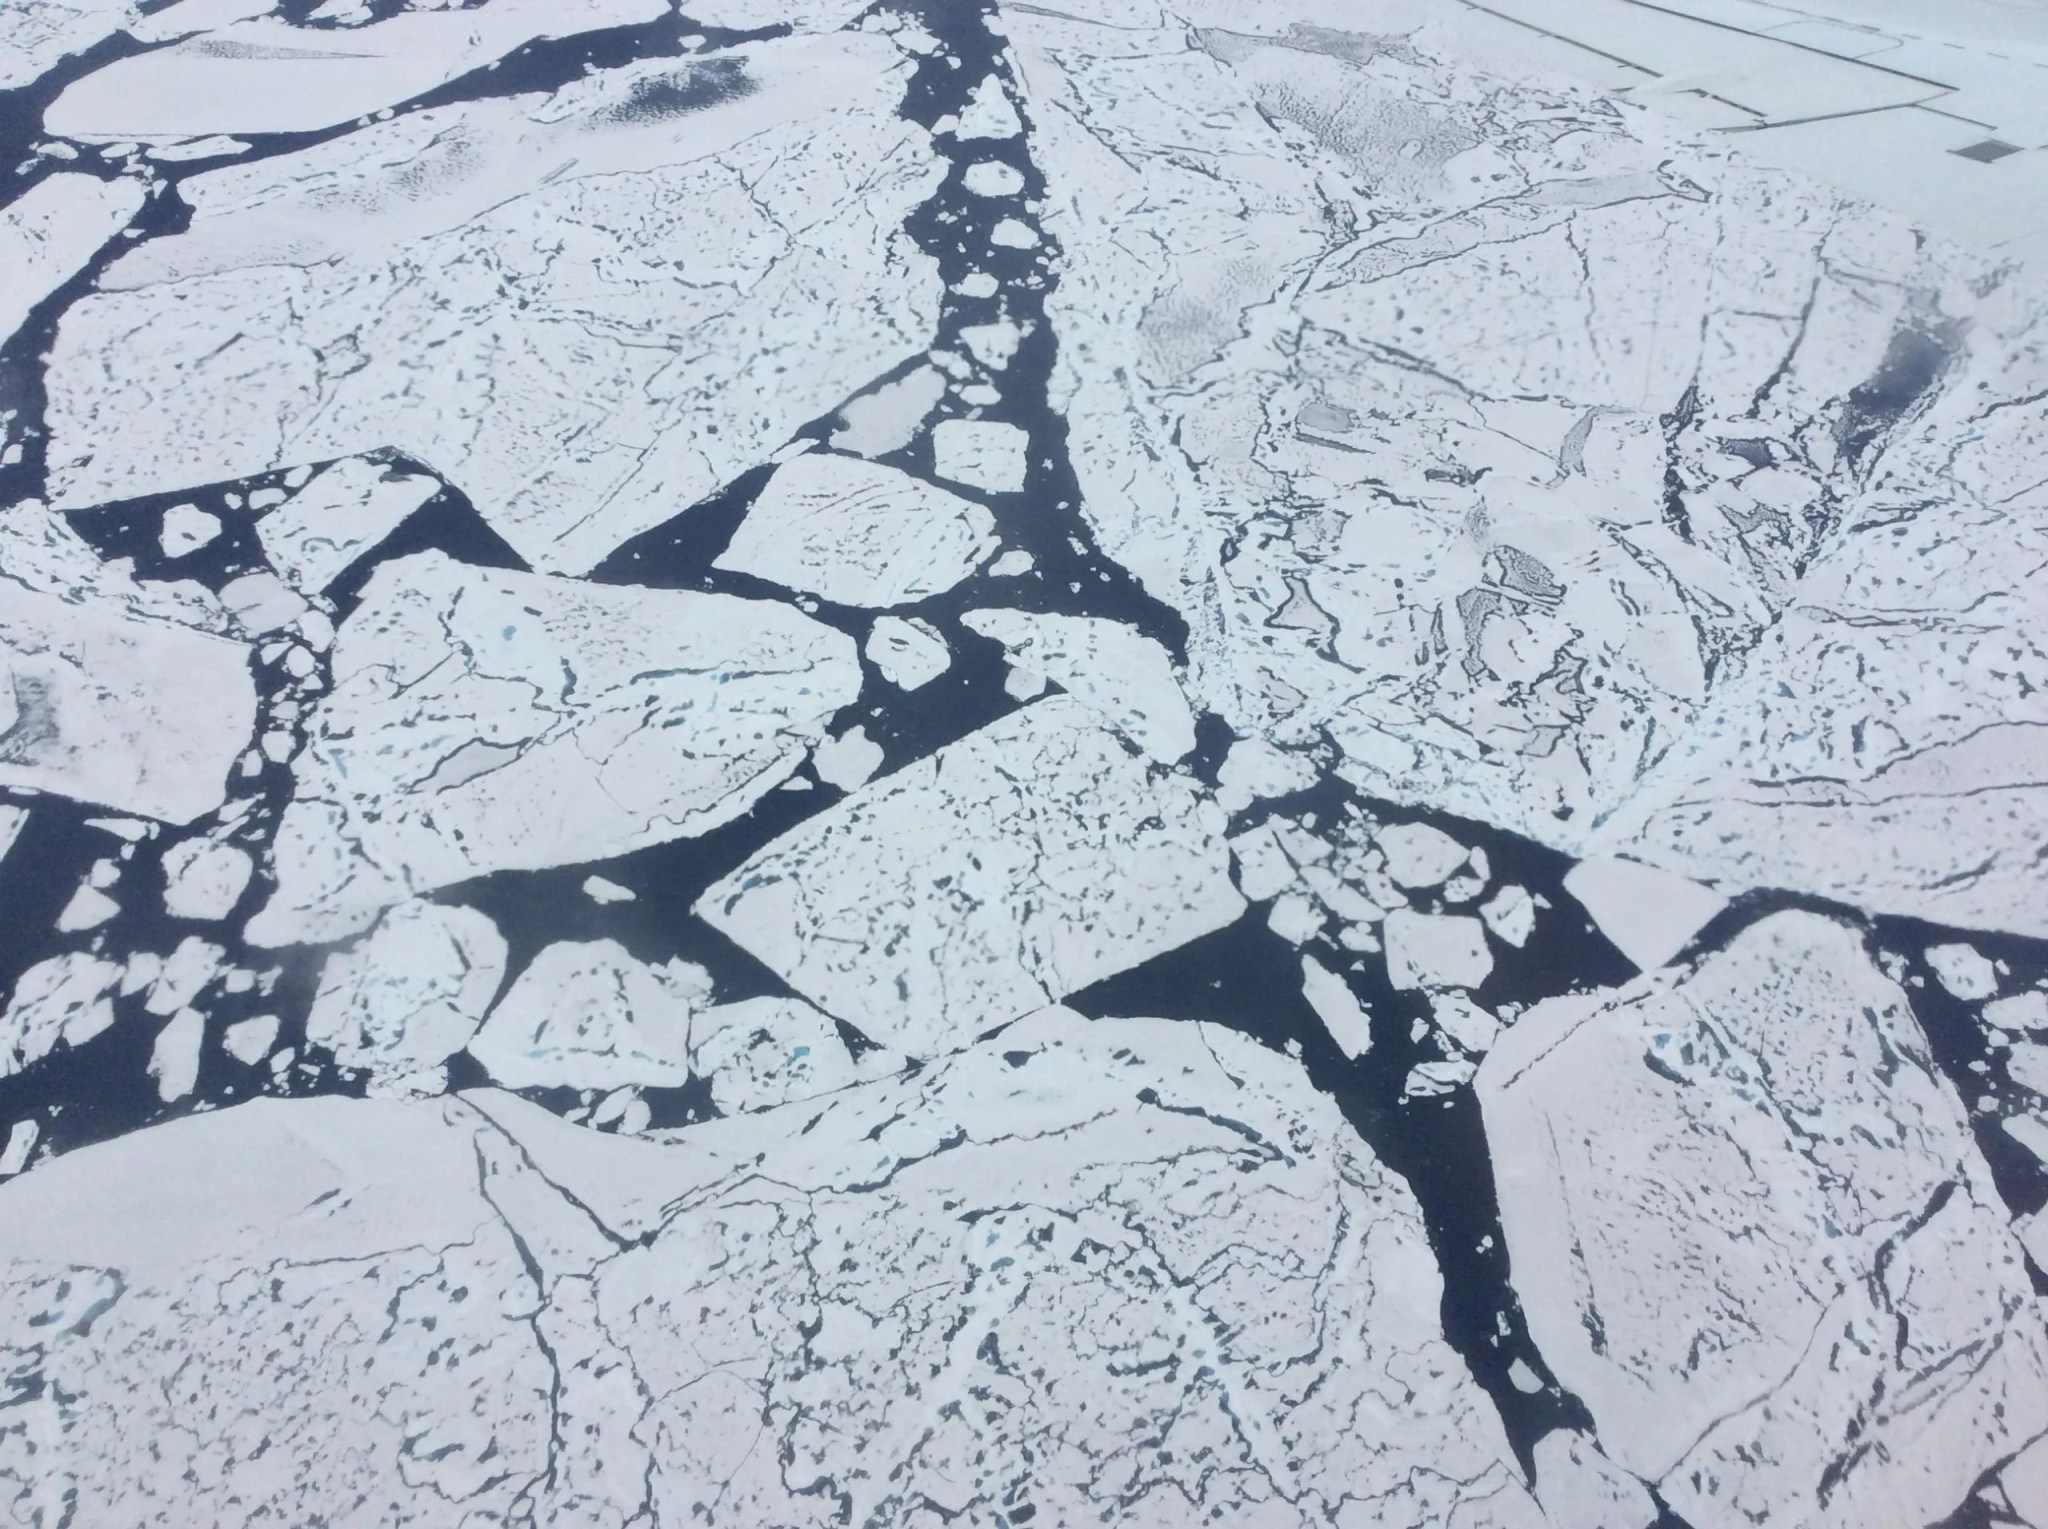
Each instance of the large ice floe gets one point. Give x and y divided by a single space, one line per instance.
1136 762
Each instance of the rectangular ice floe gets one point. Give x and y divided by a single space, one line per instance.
1752 1232
483 720
621 313
126 713
344 511
1003 872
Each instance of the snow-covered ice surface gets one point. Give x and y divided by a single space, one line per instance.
781 762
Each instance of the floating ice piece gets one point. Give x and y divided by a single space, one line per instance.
129 714
204 879
184 975
847 761
977 284
1337 1007
1114 670
345 510
623 1312
35 34
486 720
984 454
603 892
994 345
1426 950
262 75
21 1144
50 231
248 1041
990 177
1013 234
1715 1188
65 998
2027 1065
174 1058
1254 770
1963 971
889 418
988 113
1511 914
262 603
1418 855
1263 869
681 335
1432 1080
909 652
859 533
588 1015
1013 564
768 1051
12 821
1647 914
1473 1028
408 995
1580 1488
186 529
1015 866
88 909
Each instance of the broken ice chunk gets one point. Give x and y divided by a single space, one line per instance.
21 1143
1255 770
131 714
1022 683
1418 855
1647 914
342 513
847 761
988 113
994 346
174 1059
1013 564
588 1015
889 418
990 177
408 995
485 720
50 231
1295 917
859 533
67 998
1464 1021
204 879
184 975
1015 866
1337 1007
248 1041
1427 950
1511 914
983 454
601 891
1015 235
1263 869
88 909
910 653
186 529
768 1051
2027 1065
1113 669
977 284
12 820
1963 971
1431 1080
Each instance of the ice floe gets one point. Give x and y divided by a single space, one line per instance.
1117 672
588 1015
50 231
483 719
1003 872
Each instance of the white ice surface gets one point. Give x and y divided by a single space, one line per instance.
983 454
1001 873
1751 1230
622 315
345 510
589 1015
910 653
402 999
118 711
767 1051
1116 671
486 720
1647 914
859 533
470 1304
263 75
50 231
